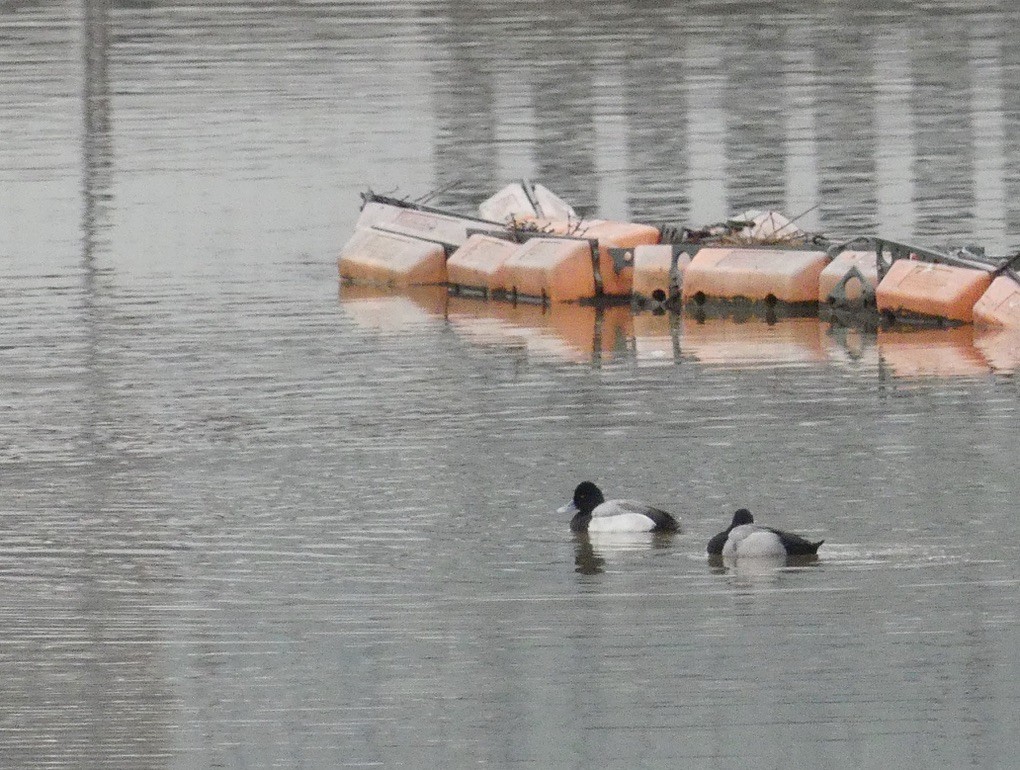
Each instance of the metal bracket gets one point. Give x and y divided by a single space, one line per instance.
622 258
595 269
897 250
838 297
1008 267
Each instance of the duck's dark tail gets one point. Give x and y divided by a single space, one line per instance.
664 522
796 545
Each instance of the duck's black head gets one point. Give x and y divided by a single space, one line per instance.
587 497
742 516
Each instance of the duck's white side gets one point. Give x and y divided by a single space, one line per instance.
620 516
750 540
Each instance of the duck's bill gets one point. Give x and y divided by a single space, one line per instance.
568 508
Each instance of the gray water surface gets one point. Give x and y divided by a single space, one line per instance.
251 519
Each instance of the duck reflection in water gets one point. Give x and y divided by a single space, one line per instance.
586 559
592 549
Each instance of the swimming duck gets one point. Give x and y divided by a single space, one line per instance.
745 538
593 513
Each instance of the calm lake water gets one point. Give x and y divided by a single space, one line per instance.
248 519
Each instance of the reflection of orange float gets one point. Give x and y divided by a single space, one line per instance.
757 275
931 290
656 338
374 307
569 332
1000 305
372 256
851 347
1000 347
753 342
931 352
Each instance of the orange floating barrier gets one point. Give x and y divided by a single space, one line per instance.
372 256
422 223
555 269
658 272
480 264
931 352
849 279
931 290
616 279
756 275
1000 304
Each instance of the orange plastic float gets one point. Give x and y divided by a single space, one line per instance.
756 275
435 226
658 272
616 281
1000 305
480 264
931 290
555 269
849 279
373 256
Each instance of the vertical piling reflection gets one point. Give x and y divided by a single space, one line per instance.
122 694
97 156
706 84
657 119
1011 128
465 99
561 53
96 144
986 107
800 104
755 161
846 125
894 131
941 96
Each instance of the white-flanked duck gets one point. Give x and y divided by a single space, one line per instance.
593 513
745 538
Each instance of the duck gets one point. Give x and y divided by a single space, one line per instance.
593 513
745 538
